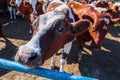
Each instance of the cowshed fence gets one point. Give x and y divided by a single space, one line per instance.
42 72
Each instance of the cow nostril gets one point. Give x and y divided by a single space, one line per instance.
33 57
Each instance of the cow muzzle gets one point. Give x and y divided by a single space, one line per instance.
95 47
31 60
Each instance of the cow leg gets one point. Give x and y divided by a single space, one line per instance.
80 46
79 56
14 13
33 3
63 61
10 11
53 60
67 48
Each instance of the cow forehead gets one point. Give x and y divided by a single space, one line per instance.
64 6
46 20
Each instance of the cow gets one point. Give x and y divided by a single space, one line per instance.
101 23
30 9
52 32
51 7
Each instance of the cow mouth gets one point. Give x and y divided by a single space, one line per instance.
32 62
95 47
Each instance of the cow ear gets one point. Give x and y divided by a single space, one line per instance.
78 27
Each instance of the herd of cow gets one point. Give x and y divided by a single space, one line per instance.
59 23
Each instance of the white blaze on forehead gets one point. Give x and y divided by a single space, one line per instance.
33 3
107 20
18 2
64 6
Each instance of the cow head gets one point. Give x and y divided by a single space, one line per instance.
26 3
52 33
12 3
100 31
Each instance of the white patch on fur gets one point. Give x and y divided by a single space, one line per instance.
63 6
18 2
53 60
33 3
62 63
107 20
99 9
56 1
92 4
116 4
67 47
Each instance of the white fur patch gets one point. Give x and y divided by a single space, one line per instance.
67 46
56 1
64 6
18 2
99 9
33 3
107 20
116 4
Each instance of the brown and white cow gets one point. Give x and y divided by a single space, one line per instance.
66 48
53 32
101 23
30 9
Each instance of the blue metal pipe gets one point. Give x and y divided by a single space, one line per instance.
54 75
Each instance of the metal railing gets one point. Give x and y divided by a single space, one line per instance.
42 72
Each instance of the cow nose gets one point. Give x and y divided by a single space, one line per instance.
33 57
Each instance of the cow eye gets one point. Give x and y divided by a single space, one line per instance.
60 29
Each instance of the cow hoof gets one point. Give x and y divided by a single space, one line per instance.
55 68
52 67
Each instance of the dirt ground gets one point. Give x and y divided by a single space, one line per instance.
103 65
